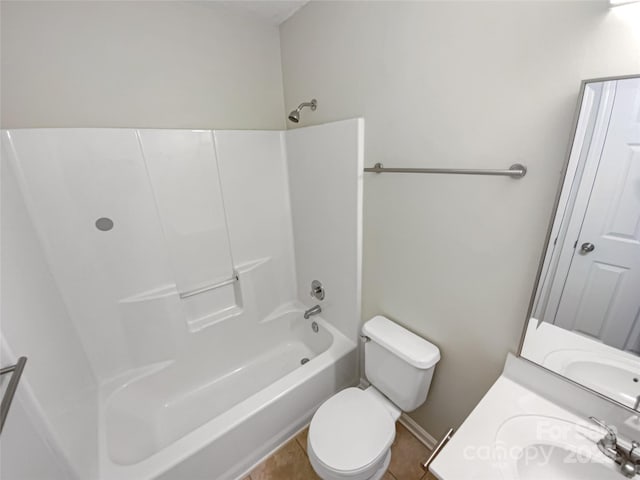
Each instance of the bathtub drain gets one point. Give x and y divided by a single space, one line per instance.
304 360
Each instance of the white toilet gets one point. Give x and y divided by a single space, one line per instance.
350 435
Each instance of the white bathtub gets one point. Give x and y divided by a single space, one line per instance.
216 411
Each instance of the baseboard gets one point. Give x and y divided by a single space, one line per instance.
420 433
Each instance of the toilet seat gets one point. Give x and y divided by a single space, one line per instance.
350 435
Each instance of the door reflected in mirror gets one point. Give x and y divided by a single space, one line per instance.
585 321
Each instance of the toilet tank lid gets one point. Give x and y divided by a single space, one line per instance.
410 347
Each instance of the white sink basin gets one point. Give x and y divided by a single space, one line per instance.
556 468
541 447
607 370
516 434
615 377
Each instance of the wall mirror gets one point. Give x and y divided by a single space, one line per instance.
584 320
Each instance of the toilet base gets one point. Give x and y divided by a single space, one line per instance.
378 474
383 469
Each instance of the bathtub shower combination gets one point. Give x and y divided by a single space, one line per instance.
183 262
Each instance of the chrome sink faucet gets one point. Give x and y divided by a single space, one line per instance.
623 452
312 311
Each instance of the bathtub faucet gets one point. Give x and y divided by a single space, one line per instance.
312 311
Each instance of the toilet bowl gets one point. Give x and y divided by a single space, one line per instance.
350 435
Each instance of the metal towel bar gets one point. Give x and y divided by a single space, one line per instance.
198 291
517 170
16 373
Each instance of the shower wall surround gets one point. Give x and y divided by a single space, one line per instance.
321 163
35 319
194 223
184 210
163 189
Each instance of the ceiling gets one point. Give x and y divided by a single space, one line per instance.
272 11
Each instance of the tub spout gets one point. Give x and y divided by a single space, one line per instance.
312 311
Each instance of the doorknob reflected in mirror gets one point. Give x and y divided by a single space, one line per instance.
587 247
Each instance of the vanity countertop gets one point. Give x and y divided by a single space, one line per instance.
509 427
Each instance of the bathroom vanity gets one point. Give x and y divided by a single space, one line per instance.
515 433
567 407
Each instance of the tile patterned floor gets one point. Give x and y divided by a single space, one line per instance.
290 462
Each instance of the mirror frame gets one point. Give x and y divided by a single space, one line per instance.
536 284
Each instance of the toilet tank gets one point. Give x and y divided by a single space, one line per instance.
398 363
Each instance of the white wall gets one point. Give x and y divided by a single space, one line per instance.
474 84
138 64
36 324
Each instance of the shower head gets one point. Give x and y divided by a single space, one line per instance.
294 116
